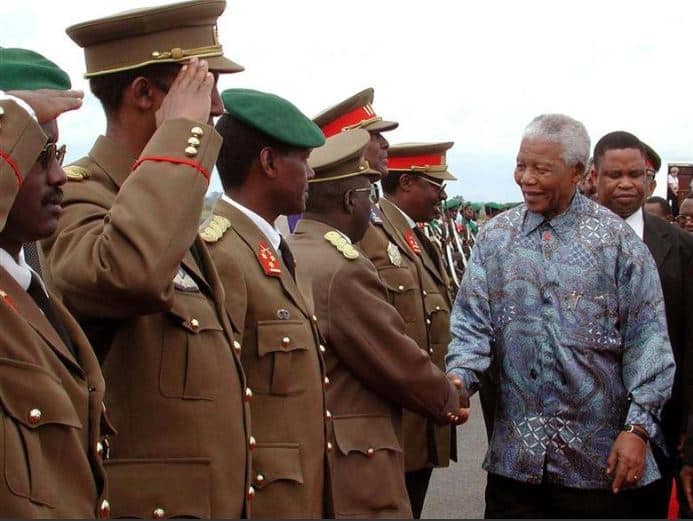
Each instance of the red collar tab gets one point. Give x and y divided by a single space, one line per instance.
6 298
268 260
350 120
413 162
412 242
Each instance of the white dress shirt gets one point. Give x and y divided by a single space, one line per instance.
266 228
637 222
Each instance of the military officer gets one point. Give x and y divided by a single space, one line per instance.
263 166
51 387
127 261
374 368
417 286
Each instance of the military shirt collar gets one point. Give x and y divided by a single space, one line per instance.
19 271
410 221
266 228
112 159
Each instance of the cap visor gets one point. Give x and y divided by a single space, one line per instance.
381 126
223 65
444 176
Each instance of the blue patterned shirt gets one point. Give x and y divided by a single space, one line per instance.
571 312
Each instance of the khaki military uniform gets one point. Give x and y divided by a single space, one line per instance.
417 287
374 370
281 359
50 414
126 261
21 141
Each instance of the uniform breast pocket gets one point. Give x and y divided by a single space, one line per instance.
282 349
192 348
438 318
403 291
591 319
38 422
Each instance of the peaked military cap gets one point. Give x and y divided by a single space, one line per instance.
355 112
342 156
22 69
652 158
171 33
420 158
274 116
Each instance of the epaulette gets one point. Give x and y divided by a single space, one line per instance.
337 240
214 228
76 173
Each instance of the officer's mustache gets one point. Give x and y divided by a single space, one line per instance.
54 196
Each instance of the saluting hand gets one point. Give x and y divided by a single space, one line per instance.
190 95
626 460
48 104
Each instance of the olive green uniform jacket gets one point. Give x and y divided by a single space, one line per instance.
283 365
123 260
374 370
418 288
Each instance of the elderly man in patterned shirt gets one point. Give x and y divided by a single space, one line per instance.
567 300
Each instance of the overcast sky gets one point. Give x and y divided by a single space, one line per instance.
470 72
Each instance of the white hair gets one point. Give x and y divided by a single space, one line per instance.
564 130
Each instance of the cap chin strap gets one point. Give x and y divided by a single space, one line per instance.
362 123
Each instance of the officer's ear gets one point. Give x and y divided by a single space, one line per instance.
406 182
268 162
348 202
142 94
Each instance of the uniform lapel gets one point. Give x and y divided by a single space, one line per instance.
657 239
252 236
25 306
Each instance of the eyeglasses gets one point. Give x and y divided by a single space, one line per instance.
439 186
372 193
50 151
683 219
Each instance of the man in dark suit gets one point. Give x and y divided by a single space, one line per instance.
622 179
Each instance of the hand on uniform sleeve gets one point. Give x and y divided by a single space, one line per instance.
190 95
48 104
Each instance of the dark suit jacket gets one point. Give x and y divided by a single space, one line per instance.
672 249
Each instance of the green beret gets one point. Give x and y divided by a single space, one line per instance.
452 204
274 116
21 69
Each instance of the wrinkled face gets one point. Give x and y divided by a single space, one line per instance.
38 204
685 217
293 173
376 152
546 181
656 209
426 195
622 181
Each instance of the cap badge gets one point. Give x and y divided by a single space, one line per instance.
394 254
412 242
268 260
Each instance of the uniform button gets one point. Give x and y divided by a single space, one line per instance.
91 389
252 443
424 293
327 381
105 509
437 308
99 449
428 321
370 452
430 350
323 349
237 346
329 446
260 478
248 394
158 513
193 142
197 132
533 374
286 342
328 415
251 493
190 151
2 111
315 319
195 324
400 287
34 416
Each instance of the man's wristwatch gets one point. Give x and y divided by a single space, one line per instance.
638 431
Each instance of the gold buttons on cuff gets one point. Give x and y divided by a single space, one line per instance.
370 452
251 493
286 342
195 324
237 347
35 416
197 132
104 509
322 348
248 394
193 141
158 513
190 151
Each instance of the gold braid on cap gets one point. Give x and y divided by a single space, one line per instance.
362 167
177 53
362 123
428 168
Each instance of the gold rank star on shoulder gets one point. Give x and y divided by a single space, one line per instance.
342 245
215 228
76 173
